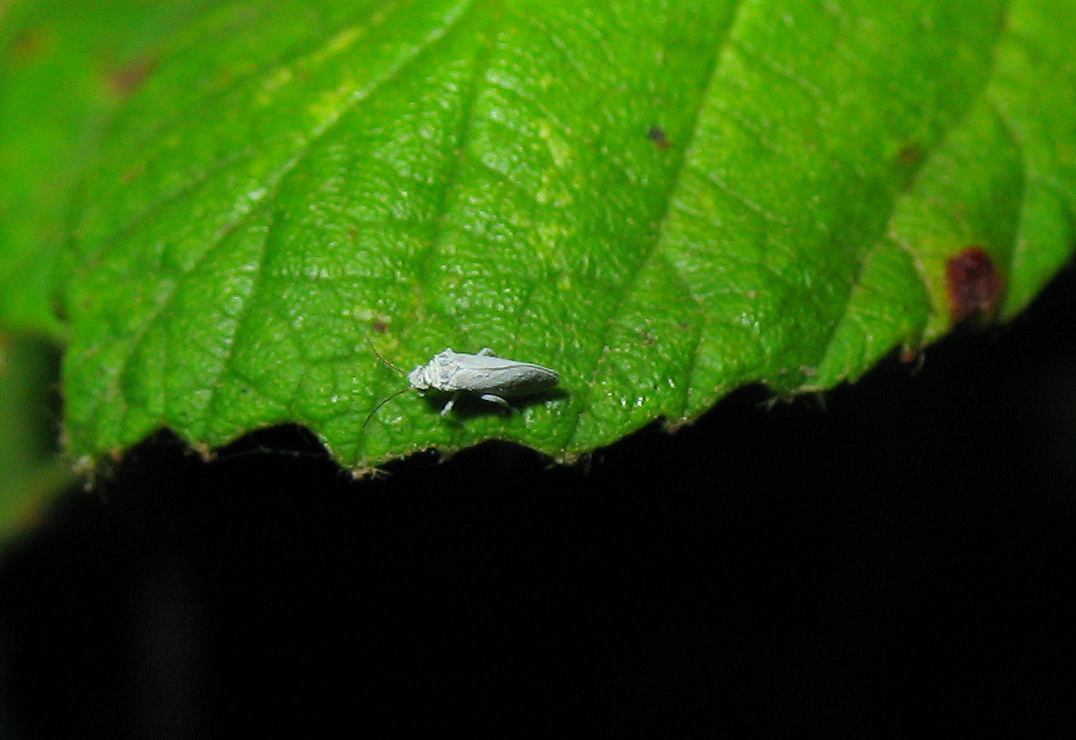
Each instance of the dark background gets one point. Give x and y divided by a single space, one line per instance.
898 559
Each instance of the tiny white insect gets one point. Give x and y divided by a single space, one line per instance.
491 378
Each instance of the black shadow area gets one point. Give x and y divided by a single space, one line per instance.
897 561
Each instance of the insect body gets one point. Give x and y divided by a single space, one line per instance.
491 378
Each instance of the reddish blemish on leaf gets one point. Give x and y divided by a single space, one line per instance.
657 135
974 284
130 76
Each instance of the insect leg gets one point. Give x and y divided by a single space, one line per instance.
492 398
450 404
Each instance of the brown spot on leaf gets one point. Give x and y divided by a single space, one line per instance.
29 44
132 173
657 135
126 79
975 285
911 154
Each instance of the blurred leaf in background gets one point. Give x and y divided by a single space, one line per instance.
30 467
64 70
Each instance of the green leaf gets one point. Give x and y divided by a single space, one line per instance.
661 201
64 68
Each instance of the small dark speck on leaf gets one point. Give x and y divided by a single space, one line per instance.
911 154
657 135
132 173
380 327
975 285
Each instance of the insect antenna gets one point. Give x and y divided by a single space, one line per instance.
378 406
383 360
389 365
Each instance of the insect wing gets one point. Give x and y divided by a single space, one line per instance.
497 375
